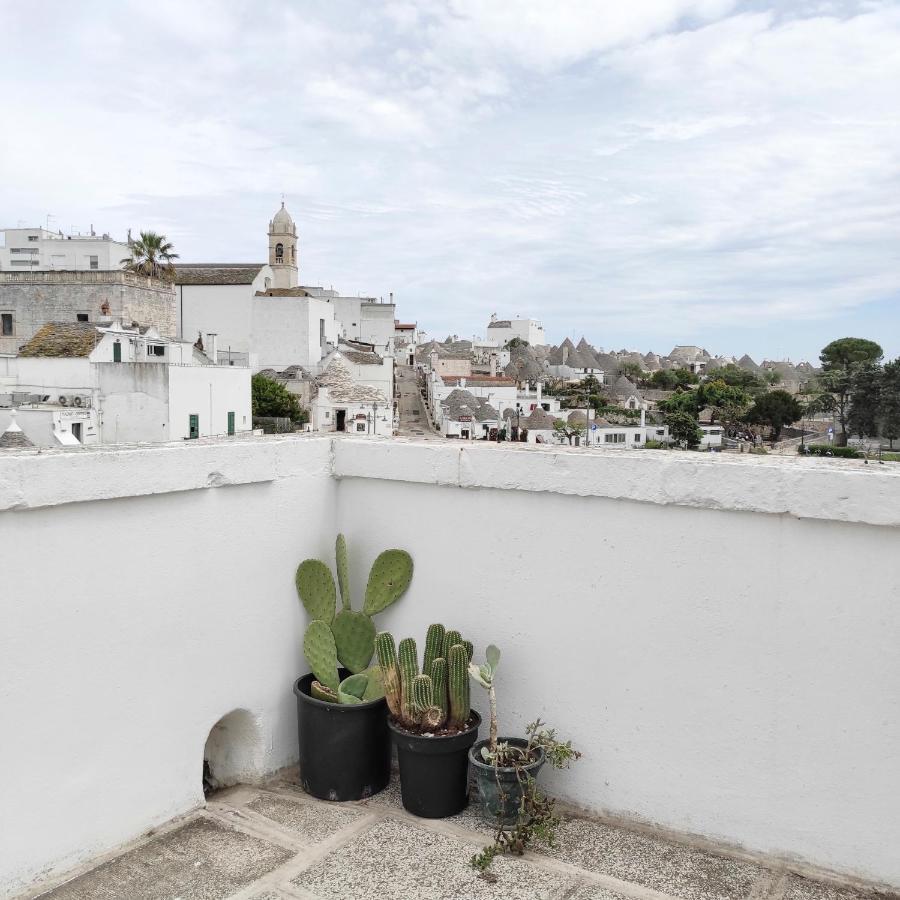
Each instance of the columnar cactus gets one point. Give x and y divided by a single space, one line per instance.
409 669
451 638
439 682
350 639
436 697
434 647
390 671
458 685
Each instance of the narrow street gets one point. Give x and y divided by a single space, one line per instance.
413 417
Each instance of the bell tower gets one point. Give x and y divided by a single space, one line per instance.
283 250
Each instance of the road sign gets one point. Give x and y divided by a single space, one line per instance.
593 427
831 431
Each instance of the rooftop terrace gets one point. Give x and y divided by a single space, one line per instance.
717 635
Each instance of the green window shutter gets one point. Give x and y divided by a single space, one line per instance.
117 352
231 423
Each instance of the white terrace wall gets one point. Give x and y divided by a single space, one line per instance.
718 635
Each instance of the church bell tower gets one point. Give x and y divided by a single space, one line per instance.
283 250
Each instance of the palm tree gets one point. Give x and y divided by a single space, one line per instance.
151 255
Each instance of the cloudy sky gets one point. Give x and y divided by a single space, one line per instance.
647 173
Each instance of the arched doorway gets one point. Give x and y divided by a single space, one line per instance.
233 751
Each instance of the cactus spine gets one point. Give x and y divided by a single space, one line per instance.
458 685
409 669
434 647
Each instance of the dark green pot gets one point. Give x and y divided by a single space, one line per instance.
499 787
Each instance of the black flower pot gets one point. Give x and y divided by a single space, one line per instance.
500 787
345 749
434 771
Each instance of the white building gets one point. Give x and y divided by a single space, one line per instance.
504 330
467 417
81 383
343 404
712 436
40 250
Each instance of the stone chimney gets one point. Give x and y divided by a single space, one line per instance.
462 383
212 347
643 417
539 388
493 365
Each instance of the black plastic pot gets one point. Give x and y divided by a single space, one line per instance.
345 749
500 787
434 771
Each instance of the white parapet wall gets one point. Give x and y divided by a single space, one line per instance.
718 635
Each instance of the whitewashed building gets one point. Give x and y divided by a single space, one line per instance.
42 250
503 330
79 384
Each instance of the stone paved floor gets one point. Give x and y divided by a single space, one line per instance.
276 843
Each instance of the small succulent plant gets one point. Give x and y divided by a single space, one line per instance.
437 696
484 675
346 636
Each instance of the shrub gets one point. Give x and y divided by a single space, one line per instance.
828 450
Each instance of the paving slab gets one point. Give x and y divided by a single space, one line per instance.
313 822
394 860
675 869
595 892
203 860
797 888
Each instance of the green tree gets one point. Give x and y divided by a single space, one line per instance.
735 376
151 255
684 429
681 402
512 343
568 430
728 403
632 371
775 409
865 402
889 402
663 379
841 361
271 398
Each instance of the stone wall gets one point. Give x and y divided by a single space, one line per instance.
36 298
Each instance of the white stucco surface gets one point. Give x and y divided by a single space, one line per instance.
717 635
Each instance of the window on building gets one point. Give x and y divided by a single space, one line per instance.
279 253
321 332
94 262
660 431
637 438
82 317
117 352
32 237
617 438
156 349
193 426
6 324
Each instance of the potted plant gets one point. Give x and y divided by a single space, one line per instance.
432 723
506 771
345 751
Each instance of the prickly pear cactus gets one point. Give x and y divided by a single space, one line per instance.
315 585
354 637
389 578
375 686
353 688
434 647
320 692
343 570
321 653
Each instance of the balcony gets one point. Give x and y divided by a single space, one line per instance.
717 634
